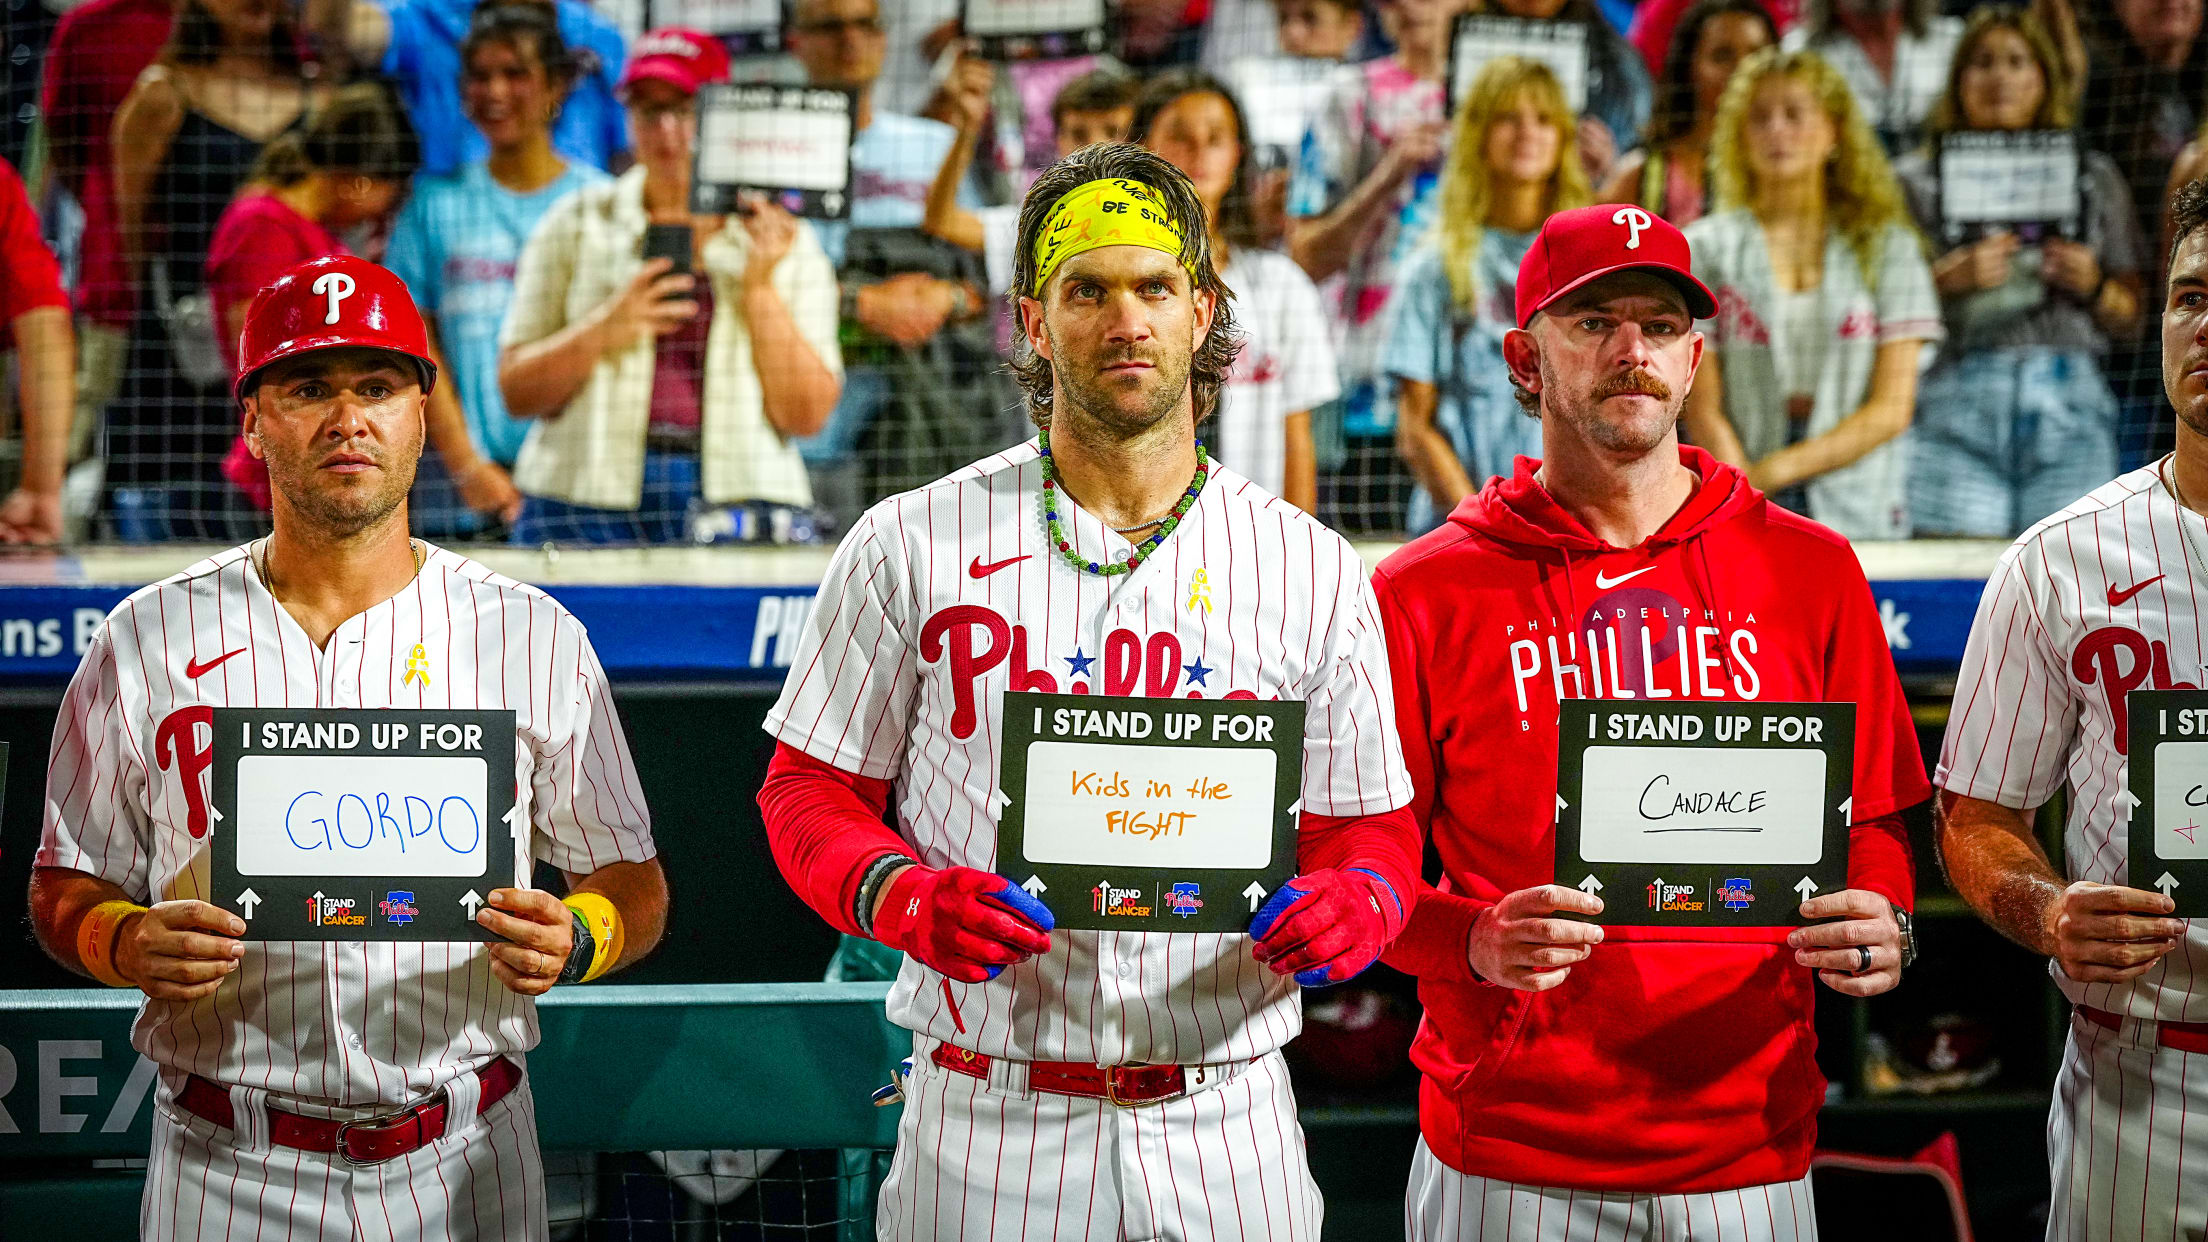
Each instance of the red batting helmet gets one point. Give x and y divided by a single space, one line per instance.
330 303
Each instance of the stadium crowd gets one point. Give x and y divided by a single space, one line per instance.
1891 354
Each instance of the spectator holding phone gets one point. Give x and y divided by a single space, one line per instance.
658 391
1825 304
1666 175
2016 418
1286 365
458 240
348 167
1512 164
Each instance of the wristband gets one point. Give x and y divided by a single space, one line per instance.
96 933
604 922
581 951
870 887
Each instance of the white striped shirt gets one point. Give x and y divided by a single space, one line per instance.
2092 603
336 1023
943 598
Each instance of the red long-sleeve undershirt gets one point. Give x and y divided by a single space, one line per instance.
825 828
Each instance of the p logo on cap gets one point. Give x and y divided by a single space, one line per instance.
1585 244
338 286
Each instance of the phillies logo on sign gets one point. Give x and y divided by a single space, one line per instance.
176 743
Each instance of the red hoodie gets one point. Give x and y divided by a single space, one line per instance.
1671 1060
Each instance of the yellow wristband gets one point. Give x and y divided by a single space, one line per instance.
96 940
605 929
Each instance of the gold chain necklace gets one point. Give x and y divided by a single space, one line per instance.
260 563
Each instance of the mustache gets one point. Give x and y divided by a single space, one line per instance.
1636 381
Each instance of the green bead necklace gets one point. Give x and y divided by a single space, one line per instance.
1048 500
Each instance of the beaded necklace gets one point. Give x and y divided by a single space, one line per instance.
1047 499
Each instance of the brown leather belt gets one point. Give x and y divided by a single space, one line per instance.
2183 1036
1125 1085
370 1140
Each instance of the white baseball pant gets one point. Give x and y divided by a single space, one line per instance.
2121 1141
481 1182
979 1160
1444 1205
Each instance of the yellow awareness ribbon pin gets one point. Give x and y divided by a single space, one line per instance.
1113 211
1199 591
417 665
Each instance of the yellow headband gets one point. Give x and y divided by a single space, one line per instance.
1110 212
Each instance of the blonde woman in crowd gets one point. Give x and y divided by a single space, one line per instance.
1513 161
1825 303
2017 418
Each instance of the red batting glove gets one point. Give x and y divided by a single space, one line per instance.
1327 926
967 924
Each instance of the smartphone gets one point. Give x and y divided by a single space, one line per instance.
669 241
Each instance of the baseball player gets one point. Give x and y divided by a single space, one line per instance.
1632 1083
315 1090
2092 603
1082 1084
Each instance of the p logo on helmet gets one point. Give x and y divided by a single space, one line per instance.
338 286
335 302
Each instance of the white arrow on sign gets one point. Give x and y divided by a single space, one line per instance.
1805 887
2166 883
1560 805
1035 886
1847 804
1256 893
248 899
471 902
1590 885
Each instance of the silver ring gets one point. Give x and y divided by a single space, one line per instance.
1864 951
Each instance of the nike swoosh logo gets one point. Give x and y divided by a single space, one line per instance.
1604 582
979 570
2116 597
194 669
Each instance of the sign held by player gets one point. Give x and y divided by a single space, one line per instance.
2168 787
1158 809
343 824
1715 810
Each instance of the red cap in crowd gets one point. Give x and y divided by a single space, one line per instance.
334 302
1589 243
682 58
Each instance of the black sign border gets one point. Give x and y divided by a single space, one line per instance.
1225 907
1037 44
1776 901
718 198
1462 22
2143 865
435 897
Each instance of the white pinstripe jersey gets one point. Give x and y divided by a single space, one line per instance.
2092 603
128 784
942 599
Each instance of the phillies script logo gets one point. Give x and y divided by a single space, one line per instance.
176 742
975 640
2119 661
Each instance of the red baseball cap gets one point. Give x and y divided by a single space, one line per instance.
681 57
1589 243
333 302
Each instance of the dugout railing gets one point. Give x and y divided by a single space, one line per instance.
621 1072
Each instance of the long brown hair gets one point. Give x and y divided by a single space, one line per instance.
2057 103
1214 356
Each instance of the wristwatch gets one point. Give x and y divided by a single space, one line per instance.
579 955
1908 936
